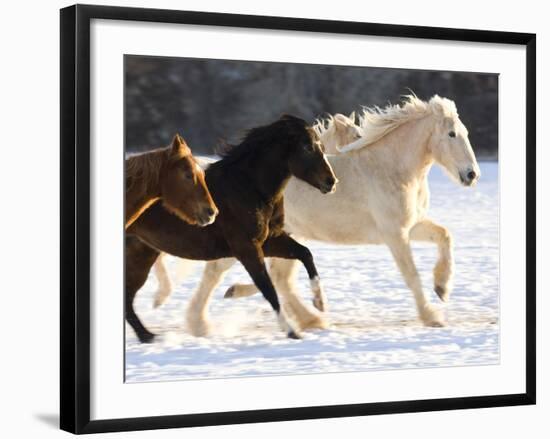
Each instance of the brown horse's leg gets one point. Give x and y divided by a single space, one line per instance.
139 259
252 259
284 246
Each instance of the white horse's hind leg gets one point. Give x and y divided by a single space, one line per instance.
237 291
283 274
240 290
402 254
427 230
165 283
197 310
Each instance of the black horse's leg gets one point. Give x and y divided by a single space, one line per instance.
284 246
252 259
139 260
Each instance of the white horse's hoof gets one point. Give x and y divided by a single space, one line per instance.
320 304
319 297
230 293
240 290
293 335
315 322
432 316
442 292
435 324
198 327
287 327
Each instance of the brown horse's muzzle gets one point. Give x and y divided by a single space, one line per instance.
207 216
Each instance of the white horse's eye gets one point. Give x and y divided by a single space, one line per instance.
452 134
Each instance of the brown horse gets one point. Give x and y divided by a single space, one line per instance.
170 174
247 185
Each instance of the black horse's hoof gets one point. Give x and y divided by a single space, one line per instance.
293 335
147 338
229 293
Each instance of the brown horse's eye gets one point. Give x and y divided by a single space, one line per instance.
187 174
452 134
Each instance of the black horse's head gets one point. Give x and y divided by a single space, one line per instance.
307 160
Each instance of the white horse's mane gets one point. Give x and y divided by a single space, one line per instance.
322 125
325 124
377 122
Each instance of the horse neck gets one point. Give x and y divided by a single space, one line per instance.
269 171
404 153
331 140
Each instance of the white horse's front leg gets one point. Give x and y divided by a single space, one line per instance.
197 311
427 230
283 274
165 284
401 251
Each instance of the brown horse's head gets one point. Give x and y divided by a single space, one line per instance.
307 159
183 187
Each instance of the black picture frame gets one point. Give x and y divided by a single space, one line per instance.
75 217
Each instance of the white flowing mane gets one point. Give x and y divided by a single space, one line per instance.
377 122
322 125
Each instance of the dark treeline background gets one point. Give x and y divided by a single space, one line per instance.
208 100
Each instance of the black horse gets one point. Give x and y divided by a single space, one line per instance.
247 186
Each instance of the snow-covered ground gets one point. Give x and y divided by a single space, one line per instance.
373 317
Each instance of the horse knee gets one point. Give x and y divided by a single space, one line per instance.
305 254
446 238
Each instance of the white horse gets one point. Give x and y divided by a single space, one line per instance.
382 198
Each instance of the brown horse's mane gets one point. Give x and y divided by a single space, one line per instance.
145 168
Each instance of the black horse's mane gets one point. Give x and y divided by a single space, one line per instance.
256 139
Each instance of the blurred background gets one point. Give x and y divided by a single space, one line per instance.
206 100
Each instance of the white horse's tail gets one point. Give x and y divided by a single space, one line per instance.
166 286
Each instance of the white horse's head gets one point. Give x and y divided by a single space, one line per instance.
449 143
337 130
348 131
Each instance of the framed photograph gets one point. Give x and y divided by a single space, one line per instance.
268 218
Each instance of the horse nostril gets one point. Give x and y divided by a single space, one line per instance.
472 175
330 181
209 211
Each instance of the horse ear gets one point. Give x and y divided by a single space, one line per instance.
179 146
340 121
340 117
352 116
